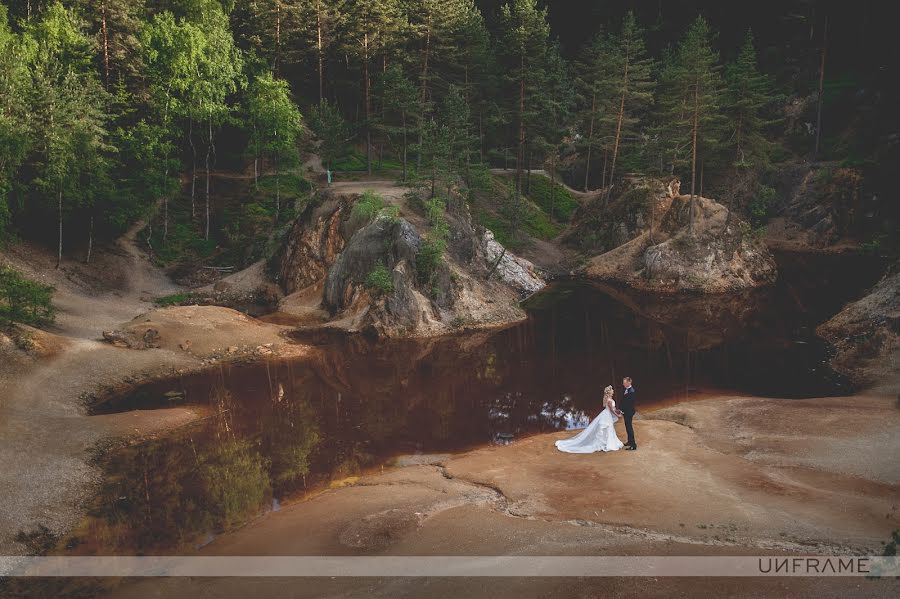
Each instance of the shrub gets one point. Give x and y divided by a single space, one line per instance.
367 207
431 252
380 280
761 205
23 300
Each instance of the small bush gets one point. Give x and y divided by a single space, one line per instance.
380 280
23 300
431 252
367 207
761 205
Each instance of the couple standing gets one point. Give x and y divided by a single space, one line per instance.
600 434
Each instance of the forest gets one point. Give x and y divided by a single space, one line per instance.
113 110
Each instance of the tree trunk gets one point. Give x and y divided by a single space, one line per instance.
603 175
619 120
277 64
423 93
60 214
702 163
520 152
403 124
208 151
368 107
821 89
552 183
193 165
87 260
105 35
696 126
319 52
587 166
165 215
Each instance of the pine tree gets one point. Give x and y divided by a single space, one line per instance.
326 122
690 111
321 18
594 90
116 24
556 106
524 43
400 98
750 96
371 28
632 85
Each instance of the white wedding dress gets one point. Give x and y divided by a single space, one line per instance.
600 435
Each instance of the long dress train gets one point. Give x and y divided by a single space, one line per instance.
600 435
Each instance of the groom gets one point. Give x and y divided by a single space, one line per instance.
628 411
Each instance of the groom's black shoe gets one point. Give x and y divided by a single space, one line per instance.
630 447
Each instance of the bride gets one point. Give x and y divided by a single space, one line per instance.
600 435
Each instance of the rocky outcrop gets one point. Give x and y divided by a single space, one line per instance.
630 208
822 206
474 283
866 336
313 244
518 273
719 253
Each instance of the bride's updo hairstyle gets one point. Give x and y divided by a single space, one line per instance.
608 392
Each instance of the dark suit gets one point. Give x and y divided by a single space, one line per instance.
628 411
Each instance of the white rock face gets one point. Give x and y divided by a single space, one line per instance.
512 270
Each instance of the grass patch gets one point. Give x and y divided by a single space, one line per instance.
23 300
563 202
356 161
175 299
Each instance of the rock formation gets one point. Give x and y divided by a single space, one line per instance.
659 251
866 336
329 255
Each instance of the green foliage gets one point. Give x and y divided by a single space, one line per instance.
23 300
366 207
333 132
552 197
615 87
275 125
690 116
380 280
175 299
762 204
750 98
431 251
236 480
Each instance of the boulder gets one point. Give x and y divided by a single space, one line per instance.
866 336
718 254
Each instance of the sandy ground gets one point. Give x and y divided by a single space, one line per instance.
46 437
720 476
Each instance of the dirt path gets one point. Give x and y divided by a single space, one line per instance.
45 435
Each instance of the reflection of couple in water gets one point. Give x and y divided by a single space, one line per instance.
600 434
